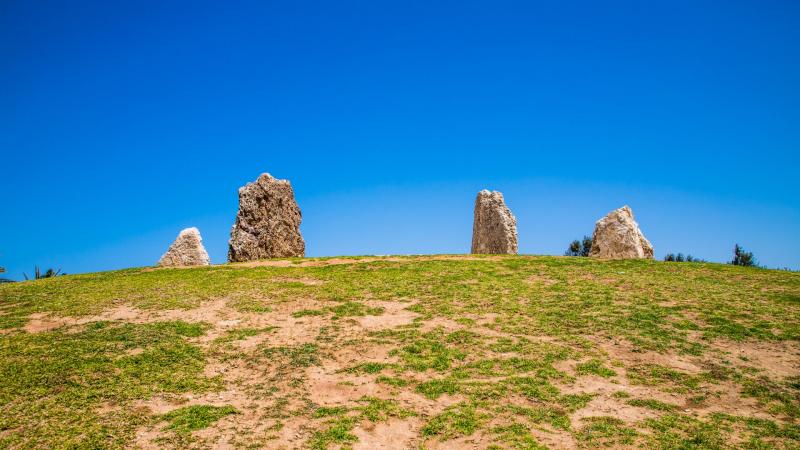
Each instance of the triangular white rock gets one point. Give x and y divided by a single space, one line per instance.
187 250
617 236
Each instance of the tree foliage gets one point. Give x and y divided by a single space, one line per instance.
4 280
672 257
742 257
579 248
38 274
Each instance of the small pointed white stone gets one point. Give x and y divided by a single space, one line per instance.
187 250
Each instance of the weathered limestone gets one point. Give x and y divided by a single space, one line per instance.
617 236
268 222
494 229
187 250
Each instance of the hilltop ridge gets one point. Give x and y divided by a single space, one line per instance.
440 351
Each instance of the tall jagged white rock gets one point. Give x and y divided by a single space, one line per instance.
187 250
494 229
268 222
617 236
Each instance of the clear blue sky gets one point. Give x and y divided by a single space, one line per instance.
123 122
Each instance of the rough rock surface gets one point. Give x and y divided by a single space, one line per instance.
187 250
617 236
268 222
494 229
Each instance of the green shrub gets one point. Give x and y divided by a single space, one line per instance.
579 248
742 257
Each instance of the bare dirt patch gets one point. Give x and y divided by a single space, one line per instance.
725 398
146 438
335 389
394 314
360 260
484 326
609 406
312 262
608 281
717 397
296 331
541 280
213 311
773 358
475 441
306 281
551 438
393 434
622 350
248 425
255 391
39 322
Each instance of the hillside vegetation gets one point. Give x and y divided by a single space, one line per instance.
404 352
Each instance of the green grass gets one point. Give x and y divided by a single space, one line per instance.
428 352
351 309
594 367
678 430
326 411
653 404
308 312
338 428
511 340
193 418
368 367
238 334
780 398
459 420
435 388
517 436
379 410
606 431
345 309
52 383
556 417
304 355
336 431
392 381
658 375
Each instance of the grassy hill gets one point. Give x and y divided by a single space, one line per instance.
404 352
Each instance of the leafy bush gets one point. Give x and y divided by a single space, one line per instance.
38 274
680 258
579 248
5 280
742 257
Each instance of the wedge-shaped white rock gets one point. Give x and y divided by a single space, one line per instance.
187 250
617 236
